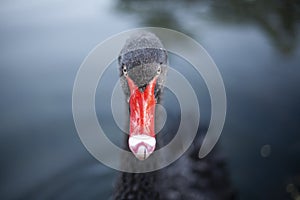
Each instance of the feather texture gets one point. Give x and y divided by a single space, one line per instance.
189 177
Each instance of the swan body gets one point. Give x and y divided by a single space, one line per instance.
143 65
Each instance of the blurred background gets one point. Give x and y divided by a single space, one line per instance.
255 45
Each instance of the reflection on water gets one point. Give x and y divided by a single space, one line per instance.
276 19
254 43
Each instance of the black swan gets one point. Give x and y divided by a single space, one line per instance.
143 66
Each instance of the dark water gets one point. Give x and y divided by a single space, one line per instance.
255 44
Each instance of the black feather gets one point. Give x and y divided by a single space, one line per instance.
189 177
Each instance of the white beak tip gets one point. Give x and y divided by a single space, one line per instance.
142 146
142 153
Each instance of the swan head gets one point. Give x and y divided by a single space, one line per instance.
143 64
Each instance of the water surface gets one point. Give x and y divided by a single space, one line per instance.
255 44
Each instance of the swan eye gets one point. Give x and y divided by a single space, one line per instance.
124 69
159 70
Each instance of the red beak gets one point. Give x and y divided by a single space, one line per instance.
142 115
